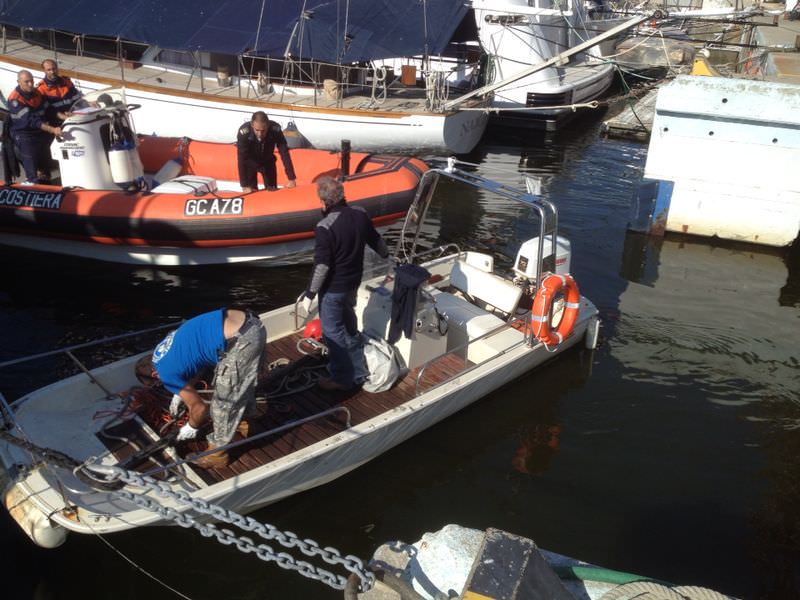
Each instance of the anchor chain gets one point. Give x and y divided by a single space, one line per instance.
287 539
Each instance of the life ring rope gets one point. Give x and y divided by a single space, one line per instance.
551 286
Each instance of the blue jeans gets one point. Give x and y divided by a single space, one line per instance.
340 333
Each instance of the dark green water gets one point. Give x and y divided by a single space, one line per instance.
672 451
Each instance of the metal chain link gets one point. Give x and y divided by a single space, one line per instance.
287 539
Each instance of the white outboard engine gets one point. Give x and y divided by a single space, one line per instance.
97 150
528 256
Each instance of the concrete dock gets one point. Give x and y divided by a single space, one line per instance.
635 121
778 55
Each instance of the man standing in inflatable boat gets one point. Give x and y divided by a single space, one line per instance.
230 341
255 150
29 128
59 91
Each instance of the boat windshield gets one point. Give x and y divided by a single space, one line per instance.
106 97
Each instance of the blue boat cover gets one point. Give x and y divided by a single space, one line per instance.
325 30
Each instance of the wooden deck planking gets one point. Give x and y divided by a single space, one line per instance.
272 414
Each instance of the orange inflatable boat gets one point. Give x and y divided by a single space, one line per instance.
111 205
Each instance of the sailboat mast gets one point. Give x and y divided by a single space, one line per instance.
258 30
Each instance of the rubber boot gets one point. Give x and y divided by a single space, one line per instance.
216 460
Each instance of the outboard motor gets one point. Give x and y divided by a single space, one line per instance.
98 151
528 257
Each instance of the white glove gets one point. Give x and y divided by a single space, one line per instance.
175 405
305 302
187 432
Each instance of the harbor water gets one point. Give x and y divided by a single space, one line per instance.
672 450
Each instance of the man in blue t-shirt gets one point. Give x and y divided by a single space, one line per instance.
230 341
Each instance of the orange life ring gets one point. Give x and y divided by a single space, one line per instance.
543 304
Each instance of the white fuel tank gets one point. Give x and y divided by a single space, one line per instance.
81 154
528 255
125 165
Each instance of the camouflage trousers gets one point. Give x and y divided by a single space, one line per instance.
235 379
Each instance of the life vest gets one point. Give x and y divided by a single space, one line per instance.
27 112
60 93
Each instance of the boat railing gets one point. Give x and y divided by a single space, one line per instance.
520 323
5 406
247 76
545 209
438 252
380 268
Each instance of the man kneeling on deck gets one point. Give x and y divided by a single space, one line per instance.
233 343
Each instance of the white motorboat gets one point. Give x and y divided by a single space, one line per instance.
519 33
81 454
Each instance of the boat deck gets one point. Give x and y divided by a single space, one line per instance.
276 412
116 73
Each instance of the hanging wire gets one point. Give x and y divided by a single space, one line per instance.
343 36
138 567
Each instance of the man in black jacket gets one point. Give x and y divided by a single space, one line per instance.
340 238
255 150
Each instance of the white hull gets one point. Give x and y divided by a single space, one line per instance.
78 400
167 112
722 161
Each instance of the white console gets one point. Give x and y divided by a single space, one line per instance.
374 311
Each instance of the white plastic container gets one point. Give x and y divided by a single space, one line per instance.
187 184
528 255
170 170
123 163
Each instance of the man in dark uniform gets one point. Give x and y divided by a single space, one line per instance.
255 149
340 239
59 91
29 128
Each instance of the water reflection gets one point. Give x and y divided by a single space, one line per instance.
671 451
708 313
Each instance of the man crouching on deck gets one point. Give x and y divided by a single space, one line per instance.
233 342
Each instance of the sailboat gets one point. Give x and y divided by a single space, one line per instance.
208 65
